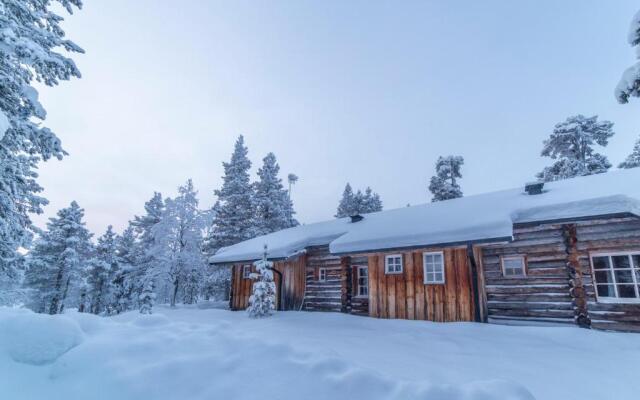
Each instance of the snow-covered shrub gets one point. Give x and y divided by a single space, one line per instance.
147 297
262 302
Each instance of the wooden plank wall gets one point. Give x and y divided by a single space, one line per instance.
544 294
406 296
293 287
323 296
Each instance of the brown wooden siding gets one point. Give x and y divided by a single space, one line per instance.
293 286
545 294
327 295
406 296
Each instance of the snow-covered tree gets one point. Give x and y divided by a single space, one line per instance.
103 268
179 239
629 85
633 160
124 280
32 47
273 207
443 185
147 297
57 261
292 179
233 221
358 202
262 302
571 144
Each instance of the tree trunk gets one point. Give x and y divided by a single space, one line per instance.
175 292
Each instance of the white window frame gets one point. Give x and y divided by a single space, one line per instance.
424 268
636 282
245 274
386 264
516 257
322 274
360 268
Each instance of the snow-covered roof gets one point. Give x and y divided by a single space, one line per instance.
474 218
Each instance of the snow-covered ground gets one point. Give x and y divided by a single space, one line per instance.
207 353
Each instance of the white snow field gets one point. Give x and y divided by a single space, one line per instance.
194 353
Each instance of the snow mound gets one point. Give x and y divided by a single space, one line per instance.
150 320
37 339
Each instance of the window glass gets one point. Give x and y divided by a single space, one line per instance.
393 264
433 267
617 276
600 262
513 266
621 262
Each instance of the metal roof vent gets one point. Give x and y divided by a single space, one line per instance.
533 188
356 218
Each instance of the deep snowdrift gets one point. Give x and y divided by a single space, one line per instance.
217 354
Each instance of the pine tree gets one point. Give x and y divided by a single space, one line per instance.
233 222
102 272
347 206
629 85
358 203
144 253
57 261
147 297
124 281
443 185
262 302
179 238
274 210
633 160
31 45
571 144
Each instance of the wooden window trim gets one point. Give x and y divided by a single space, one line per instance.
424 268
386 264
516 257
358 295
320 277
615 300
246 275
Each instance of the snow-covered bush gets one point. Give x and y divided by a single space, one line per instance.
147 297
262 302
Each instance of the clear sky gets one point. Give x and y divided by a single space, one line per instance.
359 91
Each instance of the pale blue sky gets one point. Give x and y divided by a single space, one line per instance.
366 92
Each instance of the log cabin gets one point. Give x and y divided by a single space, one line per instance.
564 252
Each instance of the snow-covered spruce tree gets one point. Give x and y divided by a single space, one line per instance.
59 257
31 48
179 239
147 297
103 268
145 258
262 302
633 160
629 85
233 221
273 207
347 205
571 144
124 279
370 202
443 185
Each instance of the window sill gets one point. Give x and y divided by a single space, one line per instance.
613 300
434 283
393 273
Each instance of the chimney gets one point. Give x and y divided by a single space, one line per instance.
533 188
356 218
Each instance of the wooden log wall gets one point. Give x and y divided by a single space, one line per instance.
292 295
559 276
327 295
406 296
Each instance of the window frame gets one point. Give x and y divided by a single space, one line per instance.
386 264
246 275
322 271
358 285
634 277
511 257
424 268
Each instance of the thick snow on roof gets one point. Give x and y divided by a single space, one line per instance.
473 218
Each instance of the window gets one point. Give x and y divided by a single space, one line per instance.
513 266
617 276
246 271
322 274
393 264
363 282
433 264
